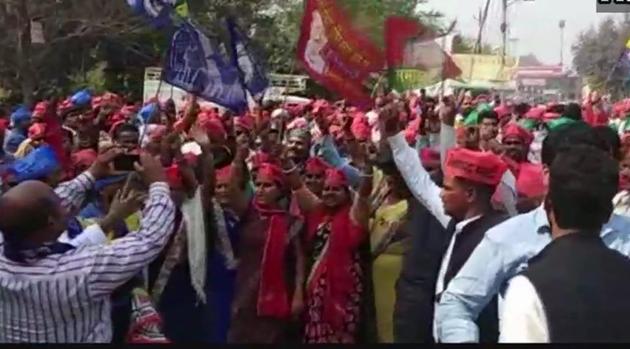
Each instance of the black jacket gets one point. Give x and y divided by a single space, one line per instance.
583 286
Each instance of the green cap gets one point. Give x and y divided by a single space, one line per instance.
561 121
473 118
529 124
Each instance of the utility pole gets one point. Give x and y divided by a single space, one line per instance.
482 22
504 31
562 25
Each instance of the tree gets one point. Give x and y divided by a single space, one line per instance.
596 55
275 24
74 30
529 60
466 45
101 44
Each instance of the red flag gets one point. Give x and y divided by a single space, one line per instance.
412 45
334 54
399 30
54 134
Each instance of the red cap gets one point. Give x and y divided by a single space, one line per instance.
245 122
516 130
316 166
295 110
157 133
297 123
321 106
129 110
174 177
429 157
502 111
65 105
336 178
479 167
212 126
360 130
535 113
530 181
224 174
273 173
260 158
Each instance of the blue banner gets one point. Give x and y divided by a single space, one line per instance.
196 65
254 76
159 12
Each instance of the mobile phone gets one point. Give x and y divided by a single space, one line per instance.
124 162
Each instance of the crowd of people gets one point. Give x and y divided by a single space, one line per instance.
425 219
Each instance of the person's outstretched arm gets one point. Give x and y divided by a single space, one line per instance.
72 193
417 178
109 266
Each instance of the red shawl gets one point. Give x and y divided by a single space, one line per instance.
273 296
335 263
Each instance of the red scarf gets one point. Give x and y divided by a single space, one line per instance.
344 239
273 296
54 135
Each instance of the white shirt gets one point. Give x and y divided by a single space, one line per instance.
417 178
65 298
621 203
91 236
523 317
439 287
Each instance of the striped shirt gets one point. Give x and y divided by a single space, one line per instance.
65 298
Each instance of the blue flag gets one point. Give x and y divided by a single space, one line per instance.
159 12
253 74
196 65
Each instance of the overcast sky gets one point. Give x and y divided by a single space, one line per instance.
534 24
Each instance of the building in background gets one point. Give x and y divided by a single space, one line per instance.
547 82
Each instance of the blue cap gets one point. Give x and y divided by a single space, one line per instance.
20 114
148 111
38 164
82 98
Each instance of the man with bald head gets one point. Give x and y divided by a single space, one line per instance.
57 292
31 212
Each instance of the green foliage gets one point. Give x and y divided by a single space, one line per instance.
369 15
94 79
597 52
463 44
100 43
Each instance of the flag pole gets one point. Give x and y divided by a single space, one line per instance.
378 84
614 68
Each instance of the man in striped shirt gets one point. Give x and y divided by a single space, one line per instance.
55 292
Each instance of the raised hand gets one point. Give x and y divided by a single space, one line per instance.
322 124
200 136
448 111
125 203
101 167
388 117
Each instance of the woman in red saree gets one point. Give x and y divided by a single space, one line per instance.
335 229
270 273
